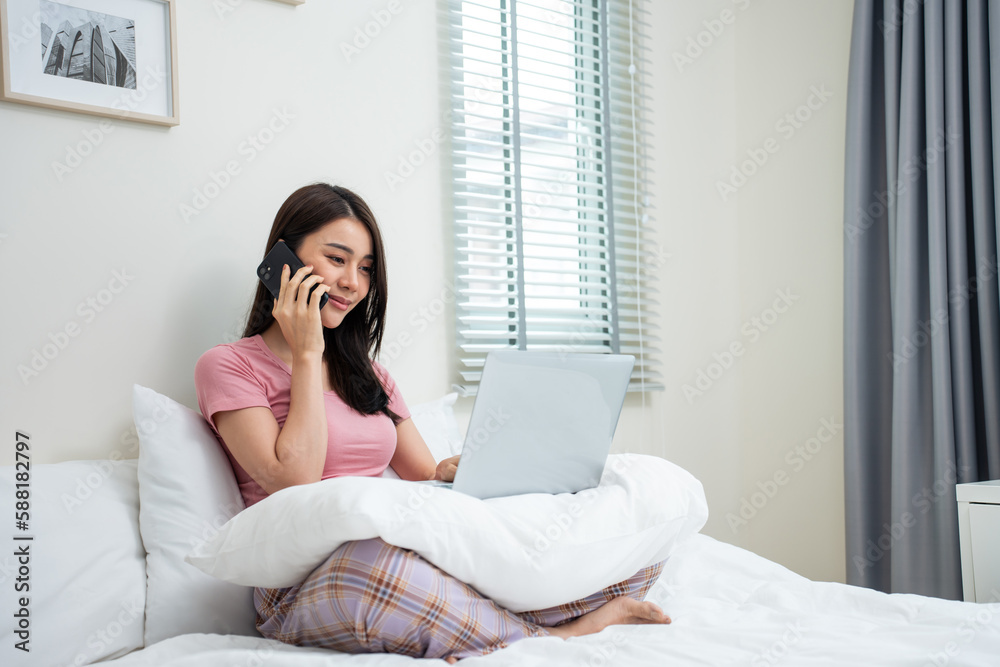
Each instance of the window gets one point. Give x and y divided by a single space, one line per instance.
552 235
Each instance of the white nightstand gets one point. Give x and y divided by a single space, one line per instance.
979 537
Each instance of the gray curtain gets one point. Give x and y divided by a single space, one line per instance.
922 309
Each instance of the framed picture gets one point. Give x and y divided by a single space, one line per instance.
114 58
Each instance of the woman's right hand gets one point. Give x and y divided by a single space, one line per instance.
297 312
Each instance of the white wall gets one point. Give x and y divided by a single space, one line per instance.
350 121
733 251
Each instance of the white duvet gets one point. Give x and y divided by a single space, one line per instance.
729 607
526 551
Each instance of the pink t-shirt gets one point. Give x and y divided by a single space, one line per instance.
247 374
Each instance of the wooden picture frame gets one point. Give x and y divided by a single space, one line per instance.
114 58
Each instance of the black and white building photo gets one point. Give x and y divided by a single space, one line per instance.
87 45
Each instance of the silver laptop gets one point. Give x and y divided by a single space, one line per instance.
542 422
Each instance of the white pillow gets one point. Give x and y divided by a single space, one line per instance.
437 425
435 420
85 566
525 552
187 491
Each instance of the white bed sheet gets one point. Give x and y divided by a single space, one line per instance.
729 607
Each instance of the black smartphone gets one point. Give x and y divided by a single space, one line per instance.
269 271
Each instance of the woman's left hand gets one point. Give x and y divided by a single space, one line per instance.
446 469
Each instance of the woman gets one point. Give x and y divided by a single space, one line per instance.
299 399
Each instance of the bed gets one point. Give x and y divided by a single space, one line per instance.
112 588
729 607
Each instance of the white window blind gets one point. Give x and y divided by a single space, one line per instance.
550 165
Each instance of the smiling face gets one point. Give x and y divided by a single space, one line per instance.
341 252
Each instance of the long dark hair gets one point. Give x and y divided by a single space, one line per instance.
350 346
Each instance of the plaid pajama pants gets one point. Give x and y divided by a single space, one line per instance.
373 597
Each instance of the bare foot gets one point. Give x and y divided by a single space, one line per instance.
451 660
620 611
